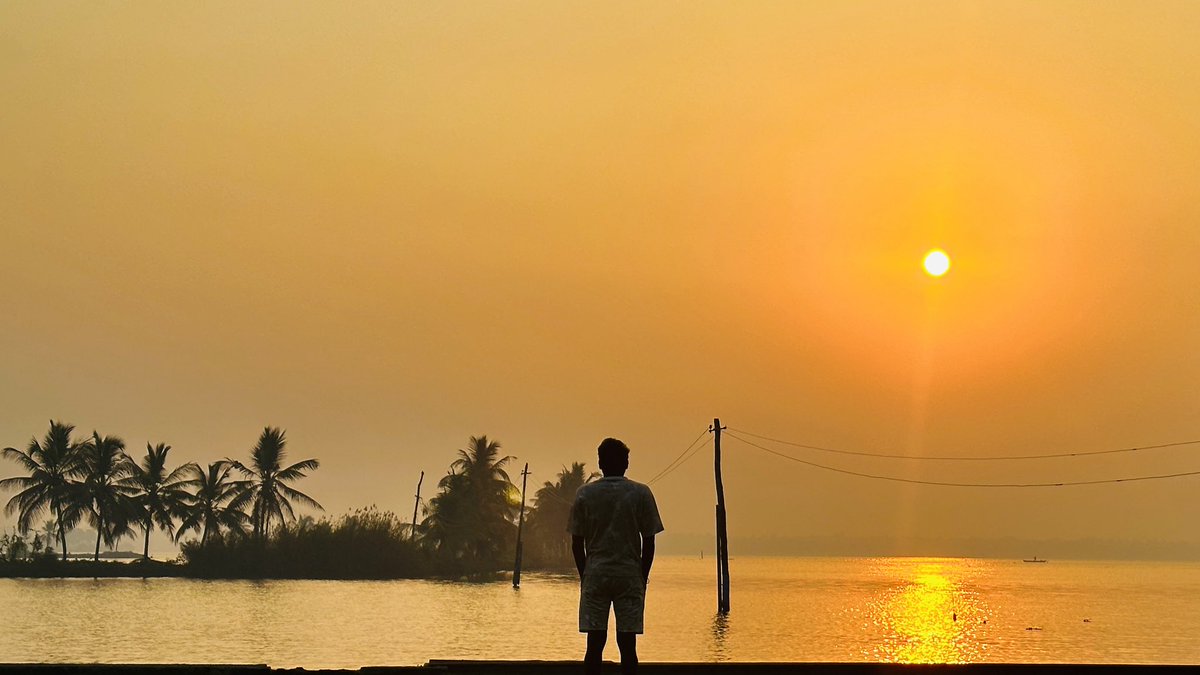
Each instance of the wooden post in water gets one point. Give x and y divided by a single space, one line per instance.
520 526
722 532
416 504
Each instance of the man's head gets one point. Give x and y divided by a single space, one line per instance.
613 456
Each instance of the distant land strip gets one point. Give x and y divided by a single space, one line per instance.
575 667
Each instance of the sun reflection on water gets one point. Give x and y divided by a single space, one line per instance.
933 616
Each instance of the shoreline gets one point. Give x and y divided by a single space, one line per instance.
137 569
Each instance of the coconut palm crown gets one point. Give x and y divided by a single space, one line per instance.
265 489
102 495
472 515
206 508
52 464
552 509
159 496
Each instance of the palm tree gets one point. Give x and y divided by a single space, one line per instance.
552 508
447 523
207 510
266 490
52 465
470 518
102 492
48 528
158 495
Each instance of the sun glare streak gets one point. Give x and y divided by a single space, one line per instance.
930 618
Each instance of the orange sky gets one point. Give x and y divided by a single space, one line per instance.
386 227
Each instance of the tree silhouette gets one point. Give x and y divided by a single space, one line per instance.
49 528
158 496
101 494
206 508
552 507
470 520
52 465
265 490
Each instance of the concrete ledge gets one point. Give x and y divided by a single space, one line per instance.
750 668
575 668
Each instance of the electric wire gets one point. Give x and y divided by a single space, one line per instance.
961 458
679 459
918 481
687 459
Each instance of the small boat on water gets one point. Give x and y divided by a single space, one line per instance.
1034 559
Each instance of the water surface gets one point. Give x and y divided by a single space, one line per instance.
783 609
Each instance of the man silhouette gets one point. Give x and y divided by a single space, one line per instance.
612 525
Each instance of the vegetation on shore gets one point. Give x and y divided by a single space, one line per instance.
365 544
470 525
50 567
242 520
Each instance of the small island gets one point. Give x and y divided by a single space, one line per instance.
237 519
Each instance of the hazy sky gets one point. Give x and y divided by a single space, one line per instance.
389 226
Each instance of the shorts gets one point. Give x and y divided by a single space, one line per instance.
626 594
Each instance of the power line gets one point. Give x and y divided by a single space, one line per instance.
961 458
916 481
687 459
679 460
678 457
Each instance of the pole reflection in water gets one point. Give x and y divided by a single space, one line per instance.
720 629
933 617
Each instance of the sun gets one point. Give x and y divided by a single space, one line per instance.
937 262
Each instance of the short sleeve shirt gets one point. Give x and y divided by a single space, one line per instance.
612 515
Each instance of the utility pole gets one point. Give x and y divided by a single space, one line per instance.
722 532
520 526
415 505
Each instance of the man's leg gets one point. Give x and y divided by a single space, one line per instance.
595 651
627 643
630 606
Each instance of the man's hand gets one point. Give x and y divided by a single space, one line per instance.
647 558
577 549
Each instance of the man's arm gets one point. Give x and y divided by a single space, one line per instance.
650 524
581 555
647 557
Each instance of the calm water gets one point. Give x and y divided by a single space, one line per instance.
784 609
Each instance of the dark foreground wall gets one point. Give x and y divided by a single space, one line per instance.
574 668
